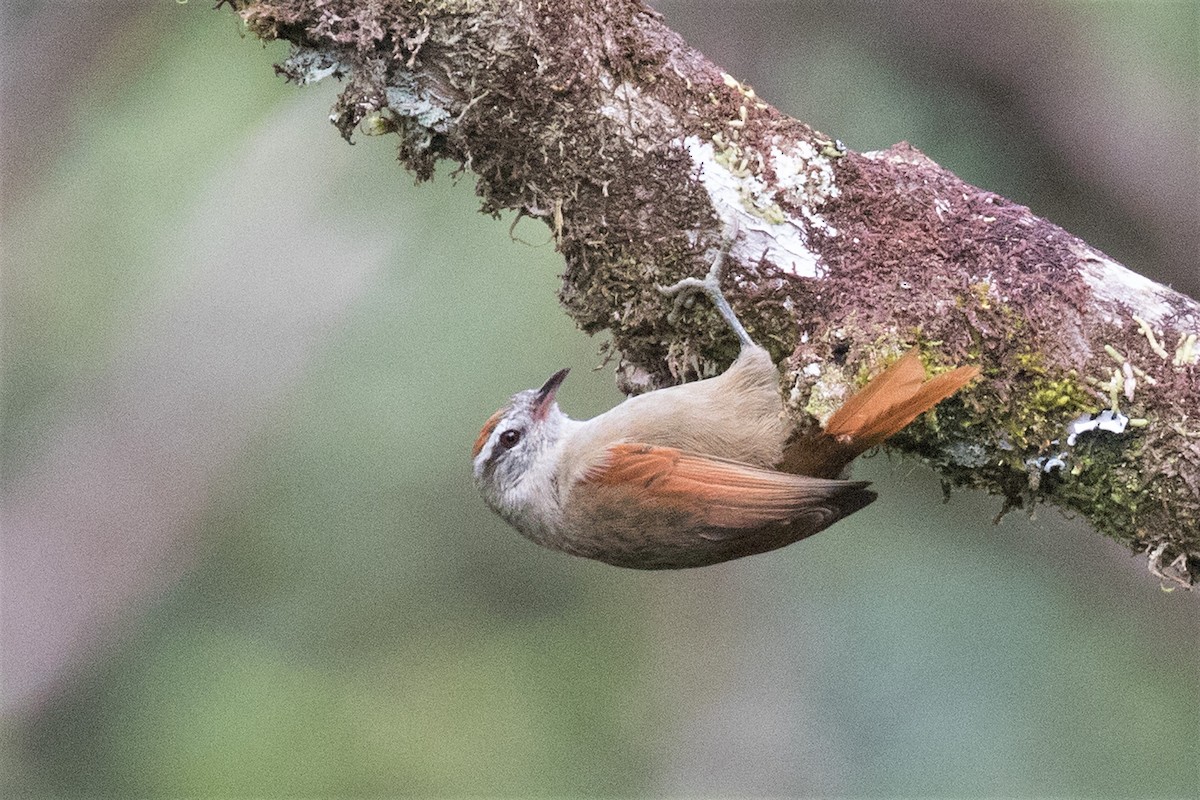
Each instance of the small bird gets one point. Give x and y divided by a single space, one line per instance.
695 474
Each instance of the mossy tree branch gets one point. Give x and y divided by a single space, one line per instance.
639 153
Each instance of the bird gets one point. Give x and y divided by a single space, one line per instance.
694 474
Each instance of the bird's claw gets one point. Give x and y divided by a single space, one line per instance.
710 284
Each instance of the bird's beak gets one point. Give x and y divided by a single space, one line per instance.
545 395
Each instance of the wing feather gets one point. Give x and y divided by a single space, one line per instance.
720 496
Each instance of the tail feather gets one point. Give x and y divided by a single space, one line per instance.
881 409
861 410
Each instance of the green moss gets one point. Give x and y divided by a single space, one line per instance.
1103 484
983 294
1040 404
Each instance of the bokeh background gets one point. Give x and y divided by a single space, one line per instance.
243 365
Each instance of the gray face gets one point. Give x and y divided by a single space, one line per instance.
513 443
510 448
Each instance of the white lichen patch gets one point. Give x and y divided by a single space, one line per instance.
744 201
968 454
900 155
411 100
1122 288
309 66
1107 420
1047 463
806 180
1055 458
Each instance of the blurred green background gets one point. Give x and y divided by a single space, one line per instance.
243 365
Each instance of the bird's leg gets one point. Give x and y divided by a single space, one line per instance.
710 284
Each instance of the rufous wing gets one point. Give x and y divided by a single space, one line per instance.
879 410
660 507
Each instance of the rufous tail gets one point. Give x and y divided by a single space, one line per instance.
882 408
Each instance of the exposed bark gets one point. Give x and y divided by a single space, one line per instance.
638 153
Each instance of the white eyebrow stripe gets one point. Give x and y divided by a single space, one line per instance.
485 454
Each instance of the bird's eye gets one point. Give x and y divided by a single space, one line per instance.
510 438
